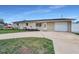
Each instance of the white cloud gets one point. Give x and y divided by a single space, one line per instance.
37 11
74 16
56 6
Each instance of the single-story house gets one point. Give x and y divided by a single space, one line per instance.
58 24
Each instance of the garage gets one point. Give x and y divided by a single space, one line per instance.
61 26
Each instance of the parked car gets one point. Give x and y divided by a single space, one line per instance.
8 26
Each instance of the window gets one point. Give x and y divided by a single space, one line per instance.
38 24
26 24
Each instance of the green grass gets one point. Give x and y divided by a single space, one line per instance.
3 31
30 45
76 33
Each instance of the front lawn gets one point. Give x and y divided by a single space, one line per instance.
3 31
29 45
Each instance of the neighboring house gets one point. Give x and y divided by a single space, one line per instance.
75 27
1 24
60 24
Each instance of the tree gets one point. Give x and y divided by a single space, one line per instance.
1 21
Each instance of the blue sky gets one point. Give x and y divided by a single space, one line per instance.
11 13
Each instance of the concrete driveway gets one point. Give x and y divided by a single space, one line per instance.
64 42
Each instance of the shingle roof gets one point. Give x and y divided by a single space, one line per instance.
44 20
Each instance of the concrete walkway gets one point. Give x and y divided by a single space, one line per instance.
64 42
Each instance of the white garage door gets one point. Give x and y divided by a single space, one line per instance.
61 26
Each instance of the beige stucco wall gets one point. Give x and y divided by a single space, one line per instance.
50 26
69 26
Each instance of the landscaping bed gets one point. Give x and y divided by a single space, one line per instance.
29 45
